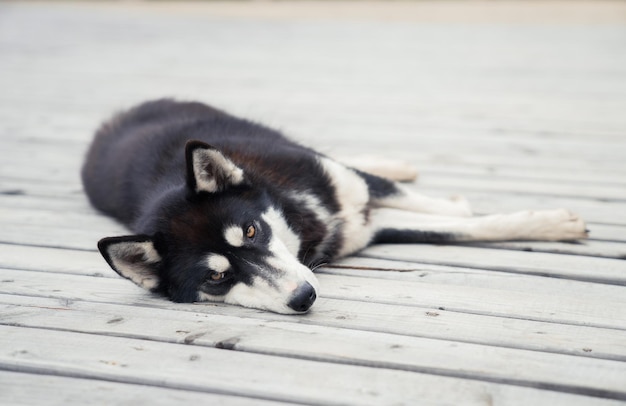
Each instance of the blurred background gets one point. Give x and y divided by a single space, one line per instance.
483 96
514 104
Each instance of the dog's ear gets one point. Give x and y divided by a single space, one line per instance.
133 257
208 170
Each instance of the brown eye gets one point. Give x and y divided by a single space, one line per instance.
250 232
217 276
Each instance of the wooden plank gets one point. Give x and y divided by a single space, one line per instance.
401 107
603 217
563 118
192 367
526 186
50 218
612 213
476 165
591 269
608 232
37 236
34 389
430 165
558 307
563 307
324 344
82 231
54 260
51 204
16 168
468 277
415 321
591 248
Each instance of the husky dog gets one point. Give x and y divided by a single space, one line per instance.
231 211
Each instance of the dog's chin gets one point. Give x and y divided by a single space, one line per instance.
275 307
261 296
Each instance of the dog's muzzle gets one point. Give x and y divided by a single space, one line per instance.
303 298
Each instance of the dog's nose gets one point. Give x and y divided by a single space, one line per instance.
303 298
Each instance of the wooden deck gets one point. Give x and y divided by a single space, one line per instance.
515 105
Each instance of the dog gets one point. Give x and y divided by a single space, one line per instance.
227 210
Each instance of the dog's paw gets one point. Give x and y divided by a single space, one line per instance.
556 225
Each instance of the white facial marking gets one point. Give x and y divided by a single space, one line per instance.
277 276
234 236
205 297
281 231
218 263
260 295
284 247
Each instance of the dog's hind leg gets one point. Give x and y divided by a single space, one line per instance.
386 193
399 226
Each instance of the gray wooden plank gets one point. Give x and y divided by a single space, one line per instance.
500 173
35 389
324 344
583 268
54 260
416 321
469 277
591 248
600 215
192 367
527 186
38 236
52 204
81 231
593 211
562 307
561 115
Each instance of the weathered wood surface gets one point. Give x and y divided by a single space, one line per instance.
514 104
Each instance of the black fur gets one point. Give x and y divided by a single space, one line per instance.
138 158
184 176
136 172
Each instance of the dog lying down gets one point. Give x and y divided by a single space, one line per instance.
227 210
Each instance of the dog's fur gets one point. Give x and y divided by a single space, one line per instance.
228 210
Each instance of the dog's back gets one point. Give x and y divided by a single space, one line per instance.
228 210
139 154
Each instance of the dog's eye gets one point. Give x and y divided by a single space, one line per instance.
250 232
217 276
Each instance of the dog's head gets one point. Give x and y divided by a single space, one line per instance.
216 238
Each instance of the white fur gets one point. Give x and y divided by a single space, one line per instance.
259 295
284 255
314 205
410 200
272 288
353 197
218 263
546 225
234 236
205 297
281 231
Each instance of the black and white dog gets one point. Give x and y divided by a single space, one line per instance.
228 210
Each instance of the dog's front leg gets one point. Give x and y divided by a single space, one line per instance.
399 226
